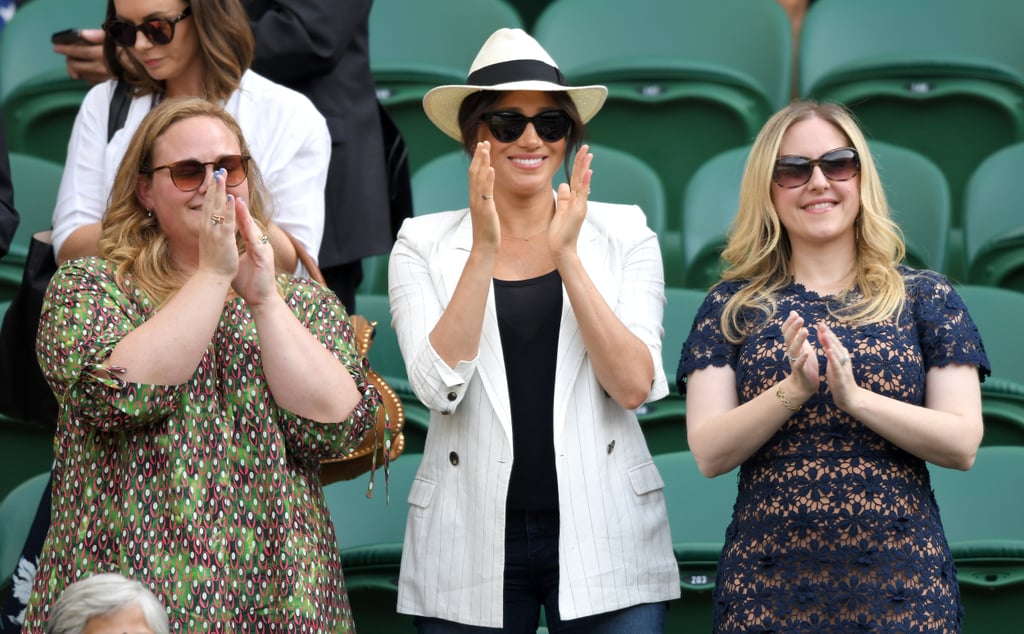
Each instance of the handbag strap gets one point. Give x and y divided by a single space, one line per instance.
307 260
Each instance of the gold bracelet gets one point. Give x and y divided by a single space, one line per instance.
779 394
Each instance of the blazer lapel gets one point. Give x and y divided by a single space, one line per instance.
594 253
491 360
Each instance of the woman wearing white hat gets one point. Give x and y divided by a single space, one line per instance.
531 327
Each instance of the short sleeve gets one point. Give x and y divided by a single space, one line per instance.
945 328
706 344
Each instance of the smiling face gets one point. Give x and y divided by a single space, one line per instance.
526 166
177 62
204 139
821 211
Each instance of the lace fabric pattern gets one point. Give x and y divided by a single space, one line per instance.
834 528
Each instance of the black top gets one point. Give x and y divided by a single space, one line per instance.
529 314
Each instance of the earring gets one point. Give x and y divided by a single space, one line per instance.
149 212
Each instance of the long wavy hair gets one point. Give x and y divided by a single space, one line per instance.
225 40
758 249
132 238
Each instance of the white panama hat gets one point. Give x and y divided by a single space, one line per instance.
510 59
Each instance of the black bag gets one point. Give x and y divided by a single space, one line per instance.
24 393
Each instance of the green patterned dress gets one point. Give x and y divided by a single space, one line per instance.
206 491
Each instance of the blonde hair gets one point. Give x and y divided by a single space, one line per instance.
758 250
132 238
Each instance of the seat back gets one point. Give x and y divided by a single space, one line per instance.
919 202
994 221
407 59
997 313
699 511
35 181
709 205
984 524
947 82
442 184
693 81
385 356
17 510
38 100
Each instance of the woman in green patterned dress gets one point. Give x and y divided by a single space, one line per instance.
199 392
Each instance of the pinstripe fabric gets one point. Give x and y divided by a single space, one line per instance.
615 545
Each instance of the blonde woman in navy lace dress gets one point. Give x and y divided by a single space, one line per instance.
832 374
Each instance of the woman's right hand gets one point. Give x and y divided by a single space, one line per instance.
486 227
218 251
800 355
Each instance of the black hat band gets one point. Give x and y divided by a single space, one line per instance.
517 70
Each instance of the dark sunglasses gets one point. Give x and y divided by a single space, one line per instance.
188 175
551 125
159 31
837 165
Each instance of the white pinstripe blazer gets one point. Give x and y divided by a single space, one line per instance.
615 547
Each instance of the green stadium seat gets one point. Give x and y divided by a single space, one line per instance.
997 312
699 511
947 81
17 510
664 422
985 530
919 202
697 77
35 182
370 533
408 58
385 356
994 223
38 100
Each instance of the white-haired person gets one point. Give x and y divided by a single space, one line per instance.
107 603
530 324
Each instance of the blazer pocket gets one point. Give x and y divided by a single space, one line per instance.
421 495
645 478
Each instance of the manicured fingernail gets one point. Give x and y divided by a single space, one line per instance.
230 198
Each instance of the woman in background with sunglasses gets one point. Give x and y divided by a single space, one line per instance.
830 373
199 392
530 324
197 48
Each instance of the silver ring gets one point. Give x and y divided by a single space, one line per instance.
486 197
792 359
264 239
216 220
844 360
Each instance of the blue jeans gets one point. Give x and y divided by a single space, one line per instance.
531 581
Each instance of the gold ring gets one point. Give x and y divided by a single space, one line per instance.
486 196
216 220
264 239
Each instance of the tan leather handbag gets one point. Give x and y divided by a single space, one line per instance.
363 458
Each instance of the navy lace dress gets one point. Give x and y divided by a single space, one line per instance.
834 528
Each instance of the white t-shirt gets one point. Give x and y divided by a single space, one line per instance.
287 137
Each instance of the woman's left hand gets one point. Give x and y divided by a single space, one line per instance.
571 206
839 371
255 281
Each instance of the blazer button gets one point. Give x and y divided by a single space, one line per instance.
454 459
452 396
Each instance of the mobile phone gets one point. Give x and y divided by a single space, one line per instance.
69 36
